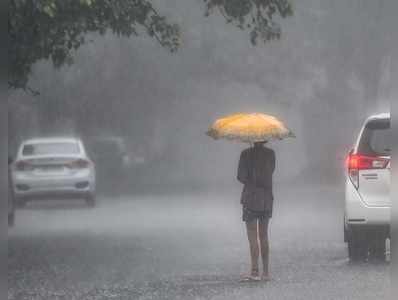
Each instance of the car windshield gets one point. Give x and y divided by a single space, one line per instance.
50 148
376 139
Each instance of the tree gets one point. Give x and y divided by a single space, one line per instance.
256 15
54 29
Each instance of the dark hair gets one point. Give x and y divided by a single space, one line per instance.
260 143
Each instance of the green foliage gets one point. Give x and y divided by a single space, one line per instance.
254 15
53 29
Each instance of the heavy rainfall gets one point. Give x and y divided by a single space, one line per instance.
164 220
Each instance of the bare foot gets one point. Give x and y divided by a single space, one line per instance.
250 278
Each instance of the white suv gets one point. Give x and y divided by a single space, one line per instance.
367 196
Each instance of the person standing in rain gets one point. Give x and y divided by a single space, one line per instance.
256 167
255 171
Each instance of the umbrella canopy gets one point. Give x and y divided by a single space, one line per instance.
249 128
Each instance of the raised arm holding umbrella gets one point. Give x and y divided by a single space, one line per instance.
256 167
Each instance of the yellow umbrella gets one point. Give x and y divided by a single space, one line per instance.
249 128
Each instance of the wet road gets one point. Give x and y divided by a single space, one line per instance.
185 246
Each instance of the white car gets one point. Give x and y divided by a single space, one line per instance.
367 196
53 168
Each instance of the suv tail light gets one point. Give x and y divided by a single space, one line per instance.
23 165
357 162
79 164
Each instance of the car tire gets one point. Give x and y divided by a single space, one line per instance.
11 219
91 200
377 249
357 247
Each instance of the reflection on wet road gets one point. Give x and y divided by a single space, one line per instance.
187 246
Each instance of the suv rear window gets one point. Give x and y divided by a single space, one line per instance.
50 148
376 138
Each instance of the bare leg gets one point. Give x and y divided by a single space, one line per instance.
264 244
252 235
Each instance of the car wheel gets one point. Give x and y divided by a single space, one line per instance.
357 247
377 249
11 219
91 201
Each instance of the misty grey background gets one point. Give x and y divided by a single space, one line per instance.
332 67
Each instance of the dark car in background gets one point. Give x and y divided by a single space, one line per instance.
113 162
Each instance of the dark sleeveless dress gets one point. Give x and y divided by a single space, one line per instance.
256 167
